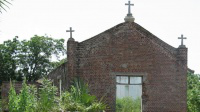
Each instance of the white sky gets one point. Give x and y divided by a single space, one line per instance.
167 19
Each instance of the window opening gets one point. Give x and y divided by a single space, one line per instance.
128 94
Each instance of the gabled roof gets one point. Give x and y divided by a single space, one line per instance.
127 26
156 39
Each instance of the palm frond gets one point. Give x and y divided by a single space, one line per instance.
3 4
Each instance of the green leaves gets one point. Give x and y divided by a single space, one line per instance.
9 59
29 101
27 98
46 99
25 101
37 54
13 99
193 92
79 99
29 58
127 104
87 99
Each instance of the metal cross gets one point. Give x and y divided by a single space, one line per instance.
70 30
182 39
129 8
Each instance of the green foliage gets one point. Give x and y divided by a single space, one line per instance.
79 99
8 59
13 99
127 104
193 92
36 54
47 101
25 101
29 58
27 98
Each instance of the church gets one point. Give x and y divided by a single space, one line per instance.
128 61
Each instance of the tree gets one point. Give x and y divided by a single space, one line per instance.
29 58
193 92
8 59
36 54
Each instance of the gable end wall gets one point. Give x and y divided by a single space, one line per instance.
126 49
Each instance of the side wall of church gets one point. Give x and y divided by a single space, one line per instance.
59 73
126 49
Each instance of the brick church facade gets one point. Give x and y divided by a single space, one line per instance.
128 49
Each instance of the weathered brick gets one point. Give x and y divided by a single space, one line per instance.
130 49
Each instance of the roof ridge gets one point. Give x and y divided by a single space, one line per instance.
165 45
96 36
170 49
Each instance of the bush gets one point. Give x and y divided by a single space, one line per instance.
13 99
193 92
127 104
47 99
79 99
29 101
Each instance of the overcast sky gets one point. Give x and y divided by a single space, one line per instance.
167 19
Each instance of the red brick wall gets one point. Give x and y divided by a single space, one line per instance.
128 48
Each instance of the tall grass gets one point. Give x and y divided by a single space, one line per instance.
127 104
79 99
47 99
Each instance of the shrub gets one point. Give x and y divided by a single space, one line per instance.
27 98
79 99
127 104
47 101
13 99
193 92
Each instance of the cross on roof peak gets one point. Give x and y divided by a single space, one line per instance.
182 38
129 17
129 8
70 30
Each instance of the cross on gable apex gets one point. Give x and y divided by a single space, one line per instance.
70 30
129 17
129 8
182 38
